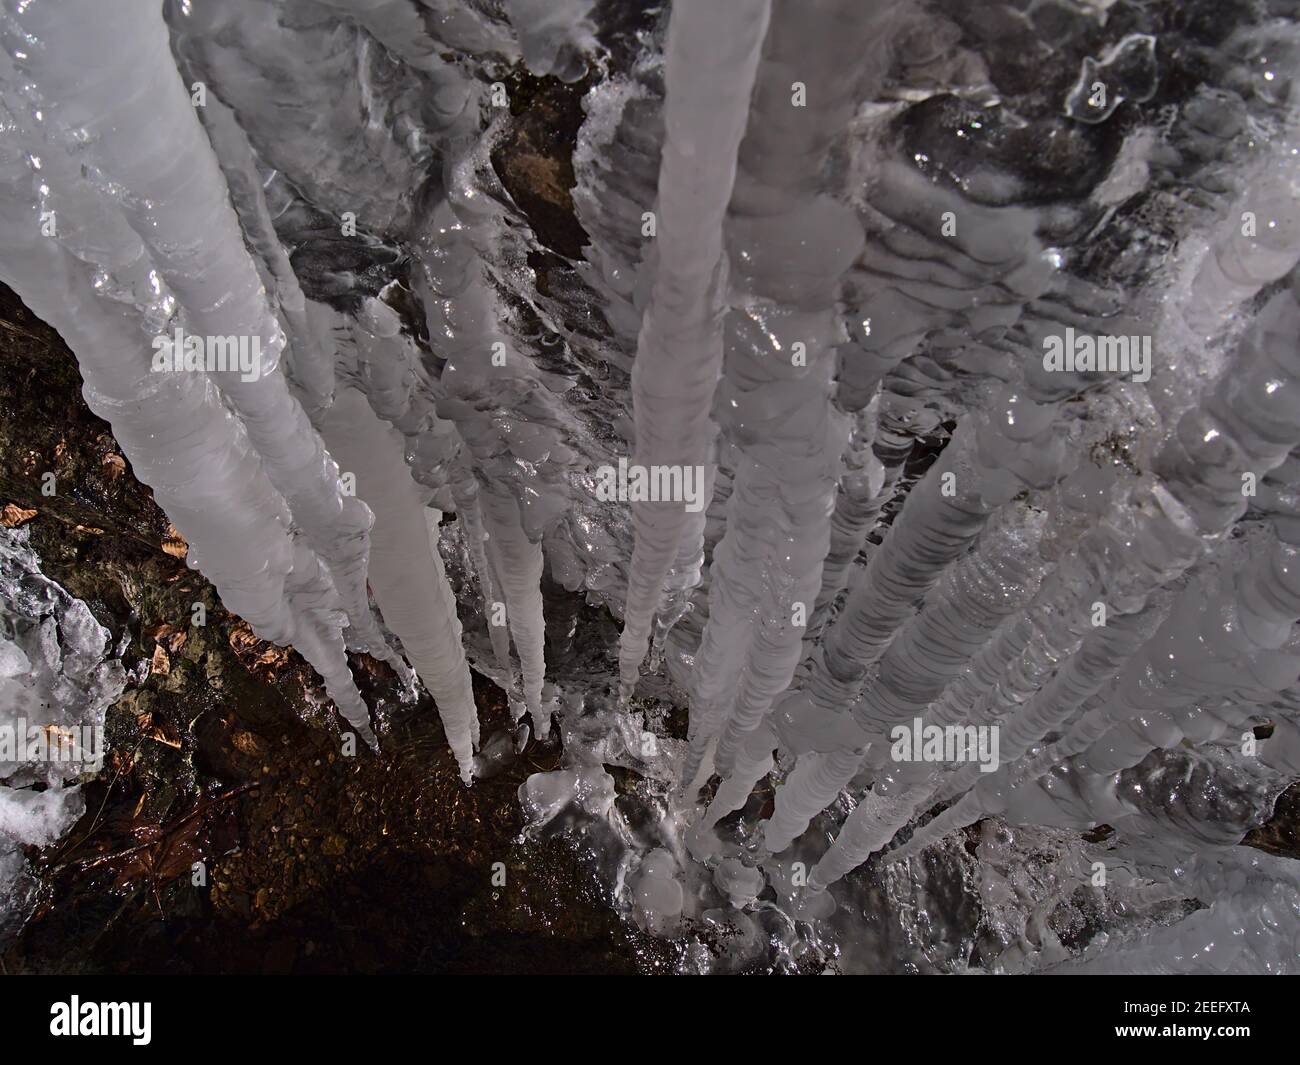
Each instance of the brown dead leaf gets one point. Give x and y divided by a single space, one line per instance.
242 640
158 729
170 636
88 529
161 734
12 516
161 664
246 743
256 655
156 853
115 465
174 543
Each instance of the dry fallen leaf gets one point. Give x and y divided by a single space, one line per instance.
161 735
174 543
161 663
246 743
256 655
12 515
157 729
116 465
170 636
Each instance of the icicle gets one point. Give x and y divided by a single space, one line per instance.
409 583
311 366
813 785
553 34
1250 421
733 604
684 576
367 139
711 57
483 372
616 165
865 486
189 449
520 571
176 199
793 246
753 763
471 521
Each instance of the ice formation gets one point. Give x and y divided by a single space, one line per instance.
57 678
679 349
827 247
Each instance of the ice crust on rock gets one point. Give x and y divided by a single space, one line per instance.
58 676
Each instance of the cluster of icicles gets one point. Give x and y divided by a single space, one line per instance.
977 607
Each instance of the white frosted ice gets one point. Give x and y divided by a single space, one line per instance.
711 57
406 573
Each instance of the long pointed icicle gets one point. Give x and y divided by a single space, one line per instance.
752 763
482 371
1015 445
409 583
466 493
180 439
793 245
520 571
865 486
1249 423
686 572
711 57
151 145
311 364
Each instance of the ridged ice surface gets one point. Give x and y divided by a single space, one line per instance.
821 251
